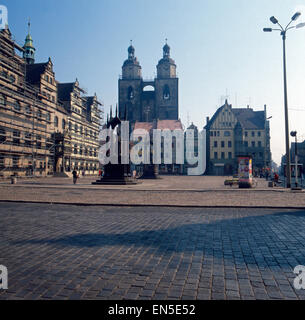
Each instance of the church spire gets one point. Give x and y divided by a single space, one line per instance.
166 50
29 50
131 51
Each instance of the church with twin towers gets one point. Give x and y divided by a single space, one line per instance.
148 100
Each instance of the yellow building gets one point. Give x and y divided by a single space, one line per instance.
233 132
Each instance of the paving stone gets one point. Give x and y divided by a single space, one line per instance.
68 252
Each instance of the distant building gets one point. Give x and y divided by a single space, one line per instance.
301 157
171 125
148 100
233 132
196 147
151 104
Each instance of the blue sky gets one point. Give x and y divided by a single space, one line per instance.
218 46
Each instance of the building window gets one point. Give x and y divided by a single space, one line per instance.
218 133
70 126
81 129
2 163
17 106
63 124
75 149
230 155
259 144
227 133
76 127
253 134
130 94
246 133
166 93
16 137
222 155
48 116
56 121
253 144
27 109
2 100
215 144
259 133
229 144
260 154
215 155
246 144
39 114
2 134
15 162
222 144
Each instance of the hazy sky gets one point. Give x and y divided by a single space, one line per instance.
219 48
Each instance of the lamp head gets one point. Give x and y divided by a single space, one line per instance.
267 30
293 133
296 16
273 20
300 25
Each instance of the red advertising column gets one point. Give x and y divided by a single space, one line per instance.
245 172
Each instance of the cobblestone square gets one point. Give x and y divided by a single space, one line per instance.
100 252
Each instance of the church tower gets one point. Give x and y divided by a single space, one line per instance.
130 87
166 85
29 50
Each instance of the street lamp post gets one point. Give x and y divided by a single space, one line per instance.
283 32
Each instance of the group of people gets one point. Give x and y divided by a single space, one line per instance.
75 175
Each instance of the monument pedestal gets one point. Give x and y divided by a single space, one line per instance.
116 174
150 171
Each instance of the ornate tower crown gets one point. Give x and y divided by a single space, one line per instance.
131 51
131 68
166 50
29 49
166 67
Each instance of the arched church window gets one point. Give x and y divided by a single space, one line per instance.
130 95
166 92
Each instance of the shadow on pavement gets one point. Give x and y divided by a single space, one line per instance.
264 240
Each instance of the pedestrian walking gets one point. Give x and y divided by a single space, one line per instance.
75 176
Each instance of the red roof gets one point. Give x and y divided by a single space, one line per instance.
143 125
169 124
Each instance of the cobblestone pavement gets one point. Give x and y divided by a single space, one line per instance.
205 198
168 191
165 182
72 252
